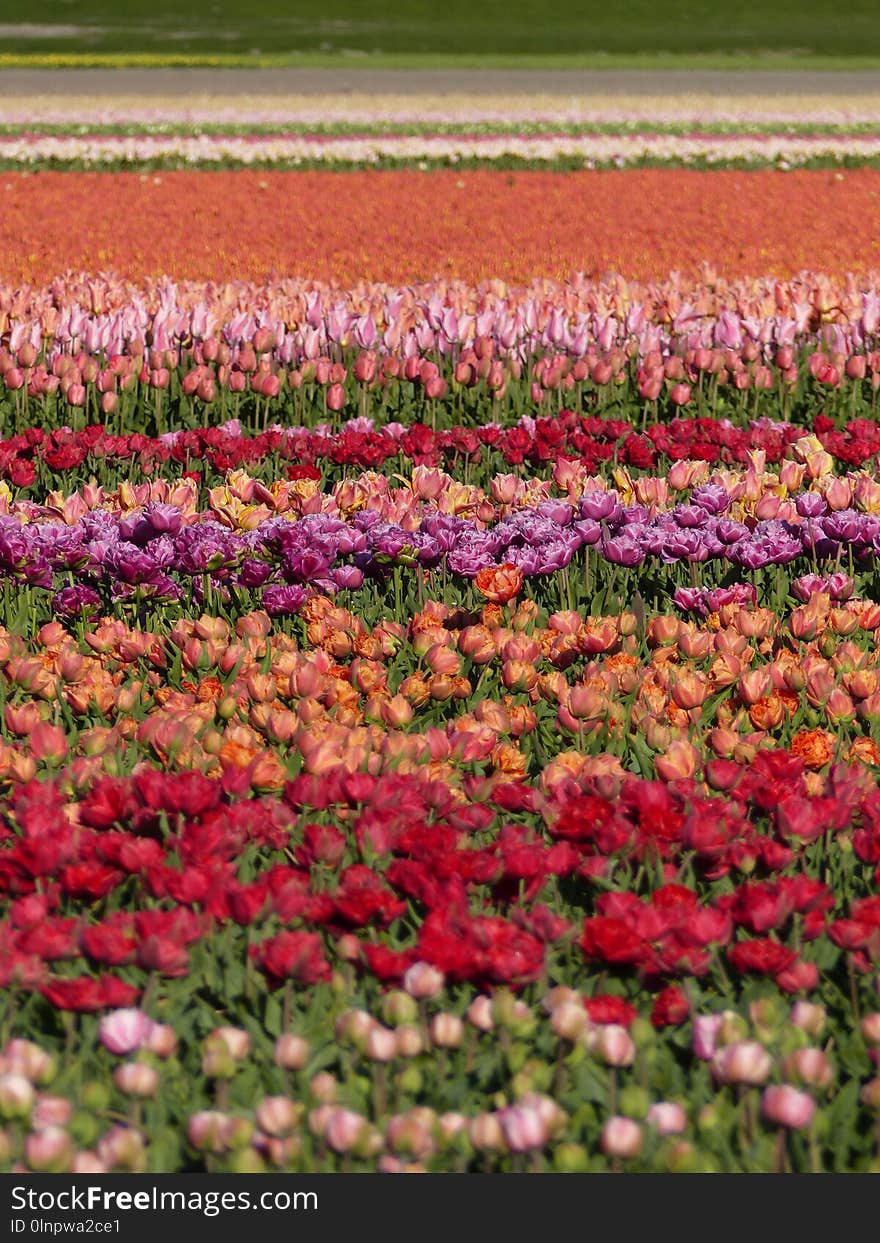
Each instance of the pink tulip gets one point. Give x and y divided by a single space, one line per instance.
809 1017
50 1111
136 1079
124 1031
381 1044
705 1033
49 1151
335 397
24 1057
621 1137
277 1115
788 1107
479 1013
746 1062
291 1052
208 1131
667 1118
447 1031
87 1162
344 1129
614 1044
524 1128
421 980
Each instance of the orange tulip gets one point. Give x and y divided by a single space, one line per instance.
499 584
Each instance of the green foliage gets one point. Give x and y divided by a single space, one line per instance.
358 30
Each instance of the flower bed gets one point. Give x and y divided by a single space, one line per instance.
440 726
474 225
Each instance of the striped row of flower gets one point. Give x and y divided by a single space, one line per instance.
389 113
297 320
460 223
275 545
566 449
436 352
589 150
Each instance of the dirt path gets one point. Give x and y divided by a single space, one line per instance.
474 82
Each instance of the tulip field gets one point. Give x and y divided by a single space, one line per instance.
439 666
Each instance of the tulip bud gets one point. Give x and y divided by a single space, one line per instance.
667 1118
621 1137
381 1044
569 1021
870 1093
809 1017
447 1031
398 1007
746 1062
124 1031
88 1163
28 1059
871 1028
706 1035
788 1107
162 1040
291 1052
344 1129
278 1115
208 1131
16 1096
49 1151
355 1025
122 1147
324 1087
136 1079
485 1133
50 1111
523 1127
809 1066
615 1045
479 1014
733 1028
236 1039
423 981
217 1061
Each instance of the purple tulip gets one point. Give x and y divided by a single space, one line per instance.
711 497
811 505
280 601
599 505
622 551
164 519
71 601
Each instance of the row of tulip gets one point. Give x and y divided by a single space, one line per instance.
579 1084
473 225
180 387
279 544
295 321
690 495
589 149
526 114
567 448
671 695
